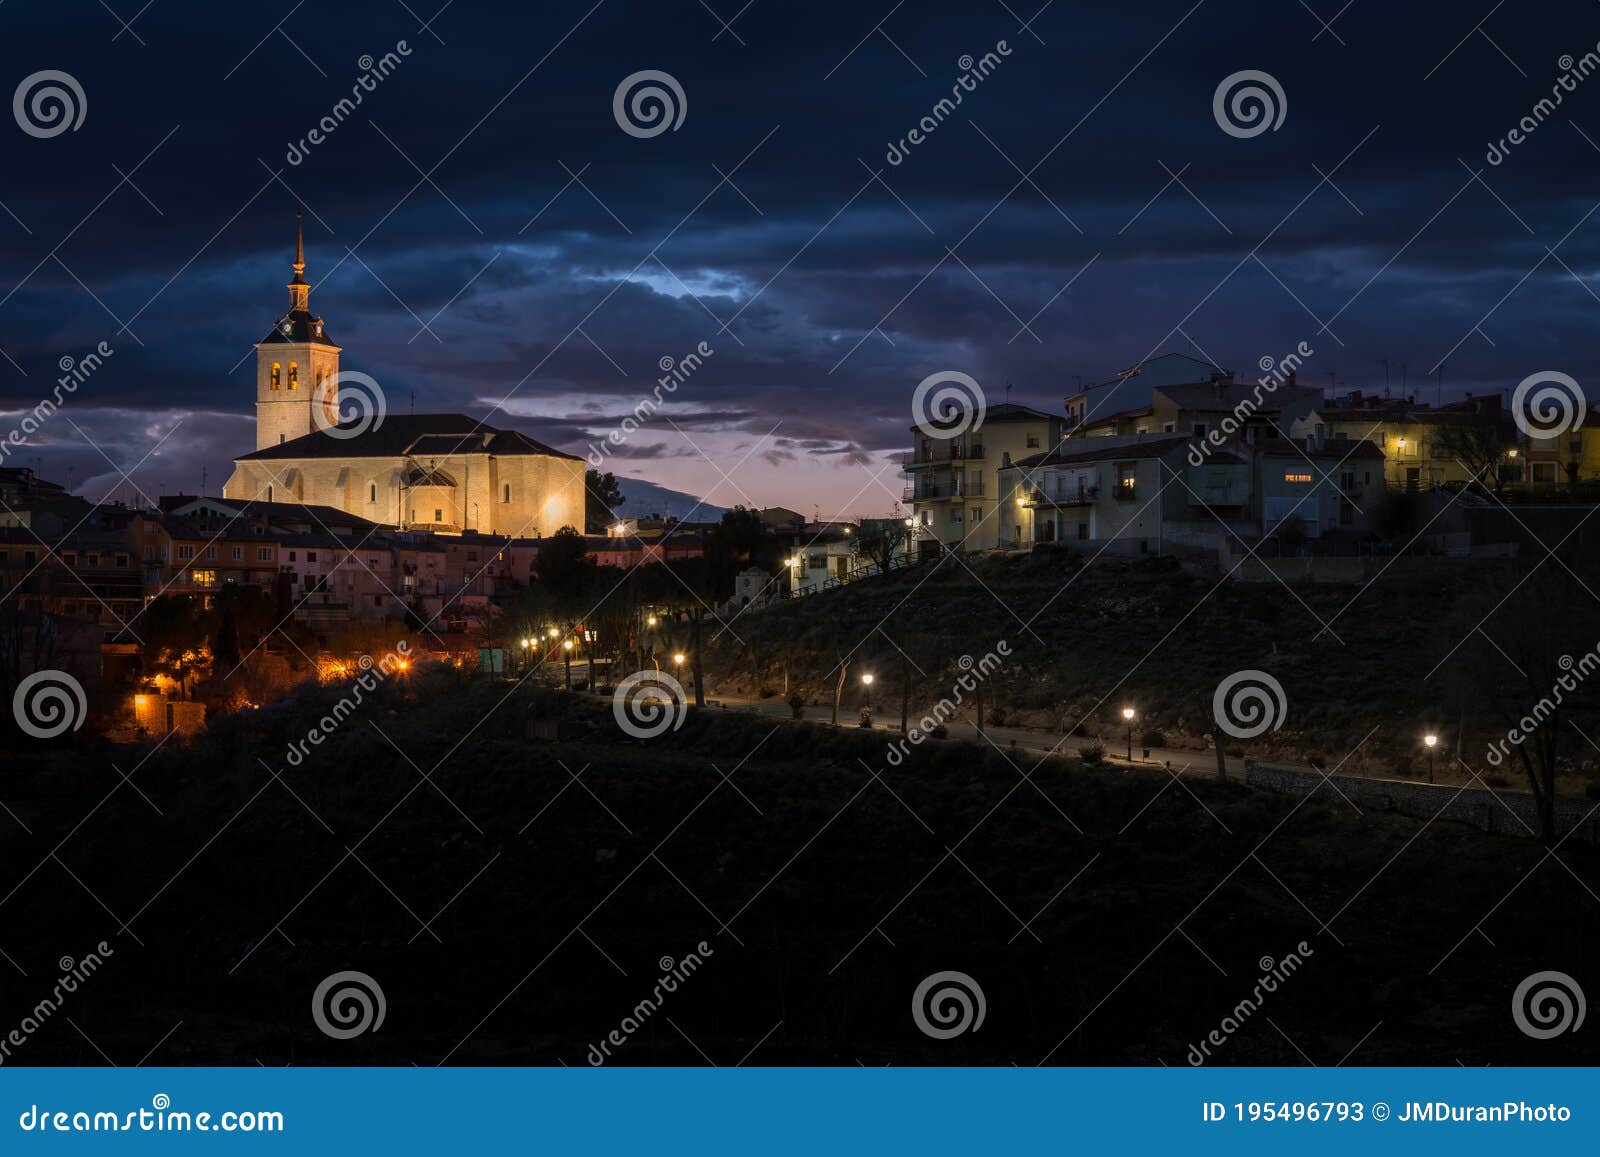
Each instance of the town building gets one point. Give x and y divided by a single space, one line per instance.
954 482
444 472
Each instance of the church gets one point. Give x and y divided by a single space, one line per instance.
440 472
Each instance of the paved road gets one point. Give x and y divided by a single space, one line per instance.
1182 760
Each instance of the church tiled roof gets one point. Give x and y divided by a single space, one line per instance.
416 435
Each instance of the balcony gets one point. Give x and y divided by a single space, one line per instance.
938 491
1082 495
942 453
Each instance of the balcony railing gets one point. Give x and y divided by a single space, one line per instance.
1127 493
955 451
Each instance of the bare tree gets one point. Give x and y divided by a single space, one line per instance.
1478 434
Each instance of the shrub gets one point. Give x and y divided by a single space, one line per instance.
1153 738
797 705
1092 753
997 717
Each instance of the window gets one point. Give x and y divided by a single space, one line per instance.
1200 429
29 557
1166 428
122 562
472 556
975 514
377 600
294 375
70 558
269 489
91 559
505 493
150 554
211 553
238 553
438 514
291 556
203 578
277 376
817 561
311 556
1033 441
186 552
1083 530
372 492
1544 472
1127 477
955 514
263 554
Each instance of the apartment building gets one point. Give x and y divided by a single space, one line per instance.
953 483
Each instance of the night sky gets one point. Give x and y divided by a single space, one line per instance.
557 259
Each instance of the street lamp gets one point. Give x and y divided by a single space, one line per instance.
677 659
1128 714
1431 741
867 679
566 660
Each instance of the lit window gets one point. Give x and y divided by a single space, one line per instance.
277 376
294 375
203 578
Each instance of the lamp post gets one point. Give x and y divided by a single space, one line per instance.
1430 741
1128 714
866 708
566 658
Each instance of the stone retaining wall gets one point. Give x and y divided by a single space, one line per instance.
1501 812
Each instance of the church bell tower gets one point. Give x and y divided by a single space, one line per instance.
296 364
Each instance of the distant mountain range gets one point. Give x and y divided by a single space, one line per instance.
641 498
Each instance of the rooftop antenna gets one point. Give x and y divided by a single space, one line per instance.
1384 362
413 399
1404 381
1438 385
1008 392
202 479
1331 384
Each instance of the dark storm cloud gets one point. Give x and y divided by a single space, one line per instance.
548 255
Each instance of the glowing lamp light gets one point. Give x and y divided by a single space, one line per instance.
678 659
792 562
1128 713
867 679
567 645
651 621
554 632
140 700
1431 740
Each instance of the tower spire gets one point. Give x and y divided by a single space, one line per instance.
299 290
